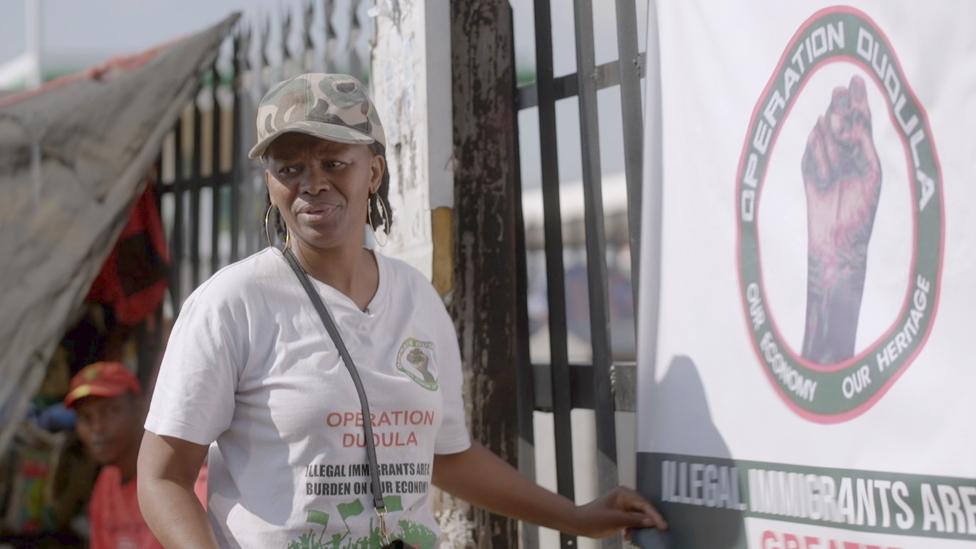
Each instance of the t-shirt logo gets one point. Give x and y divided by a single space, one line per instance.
414 359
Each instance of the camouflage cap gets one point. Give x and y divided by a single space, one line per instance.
329 106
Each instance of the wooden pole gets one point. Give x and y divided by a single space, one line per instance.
485 307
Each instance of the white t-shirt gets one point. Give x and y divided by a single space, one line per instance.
250 366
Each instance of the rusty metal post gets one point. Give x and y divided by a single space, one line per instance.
485 306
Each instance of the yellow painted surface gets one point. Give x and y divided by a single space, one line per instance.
443 250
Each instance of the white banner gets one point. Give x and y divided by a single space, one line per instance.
809 275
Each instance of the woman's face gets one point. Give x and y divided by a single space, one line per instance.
321 188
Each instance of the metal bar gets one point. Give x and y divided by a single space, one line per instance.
247 78
624 380
307 11
176 269
283 37
264 70
329 37
525 386
596 258
195 178
607 75
236 170
355 64
157 182
215 175
146 348
556 287
581 386
631 64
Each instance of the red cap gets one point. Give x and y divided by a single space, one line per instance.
101 379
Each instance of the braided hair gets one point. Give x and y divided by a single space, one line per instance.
379 202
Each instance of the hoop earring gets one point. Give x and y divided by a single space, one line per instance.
267 232
267 217
369 220
385 216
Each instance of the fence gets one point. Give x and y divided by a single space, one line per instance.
570 222
211 196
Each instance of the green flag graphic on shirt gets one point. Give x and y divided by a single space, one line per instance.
393 504
318 517
351 509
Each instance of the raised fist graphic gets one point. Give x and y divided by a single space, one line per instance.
842 180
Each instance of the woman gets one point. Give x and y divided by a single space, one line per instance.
250 366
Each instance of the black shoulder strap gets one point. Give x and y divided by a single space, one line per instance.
347 360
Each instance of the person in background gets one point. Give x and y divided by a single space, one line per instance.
110 408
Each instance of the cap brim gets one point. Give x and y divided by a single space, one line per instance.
85 391
322 130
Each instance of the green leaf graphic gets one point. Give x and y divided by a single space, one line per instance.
306 541
417 535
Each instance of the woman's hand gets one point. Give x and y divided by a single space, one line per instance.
480 477
621 508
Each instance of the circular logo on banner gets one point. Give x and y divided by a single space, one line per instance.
853 137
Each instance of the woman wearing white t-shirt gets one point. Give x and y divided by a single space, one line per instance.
250 367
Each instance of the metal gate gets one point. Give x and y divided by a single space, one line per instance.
211 197
604 383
